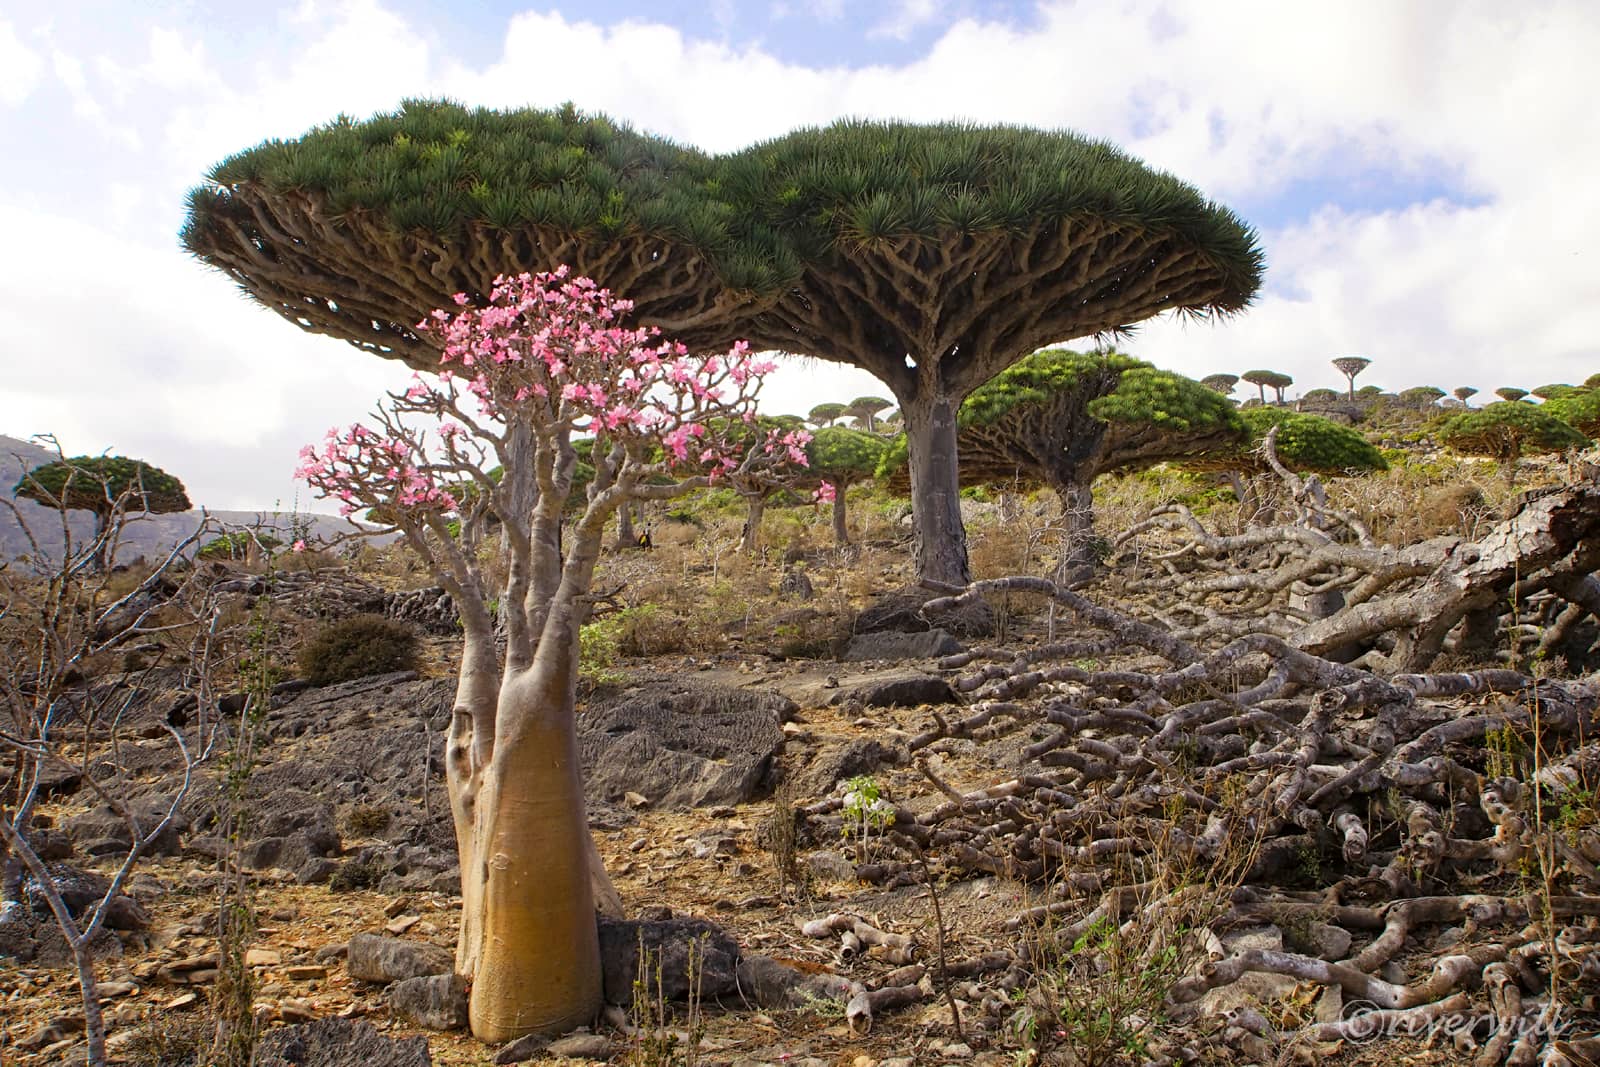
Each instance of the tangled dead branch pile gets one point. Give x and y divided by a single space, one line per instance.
1439 832
1324 584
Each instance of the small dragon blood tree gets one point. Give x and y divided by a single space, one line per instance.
545 358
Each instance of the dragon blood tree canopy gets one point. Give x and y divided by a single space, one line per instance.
359 228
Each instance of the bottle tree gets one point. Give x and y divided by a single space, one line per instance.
757 485
543 355
108 487
1506 432
1464 393
1062 418
936 256
1222 383
1350 366
839 458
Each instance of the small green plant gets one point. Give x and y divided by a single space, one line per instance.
654 1043
1506 753
358 647
865 811
597 654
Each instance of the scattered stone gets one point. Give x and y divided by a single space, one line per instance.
435 1002
109 990
385 959
1330 942
830 866
681 744
262 957
636 800
899 645
775 985
901 691
523 1049
402 924
329 953
581 1047
339 1043
183 1000
316 871
666 945
306 972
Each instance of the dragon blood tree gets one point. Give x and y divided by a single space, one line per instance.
1507 431
840 457
114 489
1061 418
936 256
542 357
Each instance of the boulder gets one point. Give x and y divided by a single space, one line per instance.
901 690
388 959
103 827
899 645
666 945
434 1002
681 745
339 1043
831 766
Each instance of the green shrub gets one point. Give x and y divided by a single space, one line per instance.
357 874
358 647
365 820
236 545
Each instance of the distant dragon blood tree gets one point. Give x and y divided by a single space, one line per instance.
1579 409
840 458
1507 431
1350 366
104 486
544 359
1061 418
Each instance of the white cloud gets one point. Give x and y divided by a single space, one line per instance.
20 67
1244 99
906 18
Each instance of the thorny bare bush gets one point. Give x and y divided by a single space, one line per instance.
88 647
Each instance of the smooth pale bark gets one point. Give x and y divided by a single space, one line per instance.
941 541
841 532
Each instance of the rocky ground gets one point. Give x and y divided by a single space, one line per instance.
719 790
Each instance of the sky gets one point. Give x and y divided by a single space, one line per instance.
1420 174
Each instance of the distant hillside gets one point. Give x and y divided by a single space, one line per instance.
147 535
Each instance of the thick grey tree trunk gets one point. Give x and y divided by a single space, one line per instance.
841 533
941 540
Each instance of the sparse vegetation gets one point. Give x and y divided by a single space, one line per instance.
358 647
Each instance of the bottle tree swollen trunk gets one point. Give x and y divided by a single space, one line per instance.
626 538
755 511
530 872
841 532
941 541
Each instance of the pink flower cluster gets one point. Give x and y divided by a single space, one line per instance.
362 468
553 345
549 350
826 493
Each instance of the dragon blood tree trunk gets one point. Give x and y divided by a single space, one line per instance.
941 542
841 533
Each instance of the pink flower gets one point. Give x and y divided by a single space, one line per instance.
826 493
299 546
